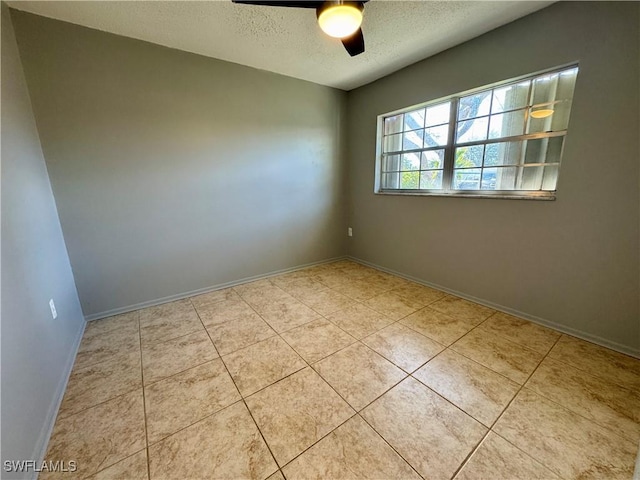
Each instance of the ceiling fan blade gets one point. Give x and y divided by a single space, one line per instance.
355 43
281 3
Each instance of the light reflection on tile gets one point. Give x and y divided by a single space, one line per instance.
401 416
497 459
477 390
499 354
606 403
405 347
568 444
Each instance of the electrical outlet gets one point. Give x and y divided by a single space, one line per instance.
52 305
350 232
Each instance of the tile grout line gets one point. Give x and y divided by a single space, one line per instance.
490 429
360 340
144 403
239 393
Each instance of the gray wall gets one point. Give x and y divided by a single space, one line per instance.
37 351
573 262
174 172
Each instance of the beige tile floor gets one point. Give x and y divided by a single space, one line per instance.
343 371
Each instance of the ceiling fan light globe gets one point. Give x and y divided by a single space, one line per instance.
340 21
542 113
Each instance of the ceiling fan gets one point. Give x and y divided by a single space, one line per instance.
338 19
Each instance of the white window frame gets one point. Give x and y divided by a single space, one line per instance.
451 145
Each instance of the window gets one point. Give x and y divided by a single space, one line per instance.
505 140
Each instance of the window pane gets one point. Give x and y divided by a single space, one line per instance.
392 143
438 114
557 117
469 156
489 179
472 130
410 161
544 88
391 163
507 124
390 180
393 124
503 153
414 120
467 179
431 180
474 105
550 177
531 178
410 180
510 97
506 178
412 140
436 136
432 159
543 150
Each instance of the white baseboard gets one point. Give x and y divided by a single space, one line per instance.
200 291
40 449
532 318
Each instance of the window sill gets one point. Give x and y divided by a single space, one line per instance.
546 196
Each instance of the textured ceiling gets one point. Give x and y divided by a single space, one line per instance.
287 40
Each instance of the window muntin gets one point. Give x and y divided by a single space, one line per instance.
486 142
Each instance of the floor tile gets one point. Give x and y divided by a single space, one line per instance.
462 309
393 305
599 361
183 399
318 339
438 326
240 333
125 321
287 314
406 348
360 290
497 459
170 320
499 354
568 444
382 280
98 383
263 294
162 360
359 321
99 436
325 301
296 412
606 403
299 286
479 391
131 468
226 445
431 434
262 364
353 450
359 374
535 337
99 347
419 293
276 476
231 310
202 301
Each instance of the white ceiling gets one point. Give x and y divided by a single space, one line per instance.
288 40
